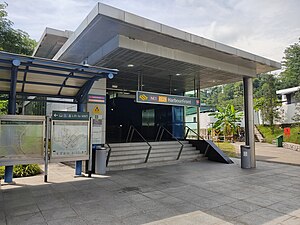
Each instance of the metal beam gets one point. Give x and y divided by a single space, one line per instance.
24 79
40 95
12 102
82 93
249 117
64 82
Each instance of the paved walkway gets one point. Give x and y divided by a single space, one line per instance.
188 193
271 153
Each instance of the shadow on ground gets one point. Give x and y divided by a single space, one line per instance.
187 193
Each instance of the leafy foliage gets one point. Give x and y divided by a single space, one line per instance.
266 100
13 40
266 131
290 77
26 170
296 117
227 119
23 170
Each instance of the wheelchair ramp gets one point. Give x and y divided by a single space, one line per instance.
211 151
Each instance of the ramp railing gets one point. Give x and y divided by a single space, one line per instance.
194 132
160 134
130 134
108 154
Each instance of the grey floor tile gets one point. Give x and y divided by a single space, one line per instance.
26 219
138 219
226 211
67 221
21 210
268 214
58 213
245 206
251 219
292 221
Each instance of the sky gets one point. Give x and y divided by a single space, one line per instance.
262 27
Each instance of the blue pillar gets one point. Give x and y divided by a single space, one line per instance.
8 174
78 164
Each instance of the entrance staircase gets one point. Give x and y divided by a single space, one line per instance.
132 155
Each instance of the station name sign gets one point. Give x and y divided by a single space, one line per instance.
164 99
64 115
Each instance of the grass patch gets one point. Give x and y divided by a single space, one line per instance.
227 148
22 170
267 133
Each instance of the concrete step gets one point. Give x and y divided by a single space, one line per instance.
158 143
128 148
116 151
153 164
132 155
153 154
117 162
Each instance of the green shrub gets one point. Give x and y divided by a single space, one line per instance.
23 170
1 172
266 132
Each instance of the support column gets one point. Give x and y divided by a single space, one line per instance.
78 164
249 117
198 114
12 102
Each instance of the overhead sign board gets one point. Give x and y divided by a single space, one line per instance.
101 99
63 115
164 99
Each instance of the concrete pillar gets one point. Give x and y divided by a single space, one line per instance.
198 115
249 117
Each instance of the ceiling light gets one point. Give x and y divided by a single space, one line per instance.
175 89
130 65
114 86
178 74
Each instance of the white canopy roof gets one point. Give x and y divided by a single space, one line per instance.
114 38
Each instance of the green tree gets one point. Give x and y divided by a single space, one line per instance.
290 77
266 100
296 117
227 119
13 40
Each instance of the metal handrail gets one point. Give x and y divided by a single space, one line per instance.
189 129
108 154
162 130
131 131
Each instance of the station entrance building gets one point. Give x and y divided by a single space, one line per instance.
154 61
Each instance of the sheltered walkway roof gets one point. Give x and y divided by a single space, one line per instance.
114 38
49 78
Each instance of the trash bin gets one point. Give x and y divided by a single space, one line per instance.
245 157
101 153
279 141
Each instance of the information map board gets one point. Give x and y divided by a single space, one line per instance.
70 136
21 139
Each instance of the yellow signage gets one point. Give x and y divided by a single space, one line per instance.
162 99
143 97
97 110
